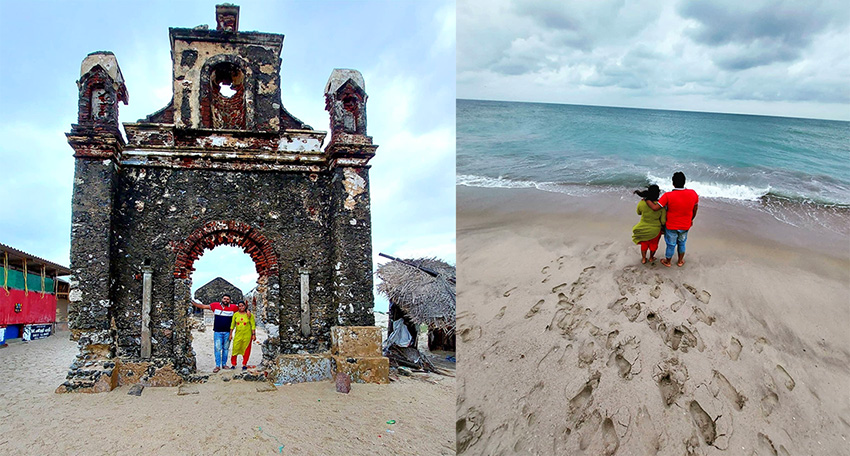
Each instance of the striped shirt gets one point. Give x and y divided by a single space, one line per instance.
223 316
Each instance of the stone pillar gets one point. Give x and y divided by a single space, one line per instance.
349 152
146 311
305 301
97 145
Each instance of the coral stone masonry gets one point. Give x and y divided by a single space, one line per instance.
224 163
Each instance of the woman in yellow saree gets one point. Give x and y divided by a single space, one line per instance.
243 331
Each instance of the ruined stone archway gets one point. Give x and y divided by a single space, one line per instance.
145 208
252 242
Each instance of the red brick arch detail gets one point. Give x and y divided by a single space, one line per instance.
214 234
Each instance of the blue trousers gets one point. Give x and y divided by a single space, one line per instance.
675 238
222 347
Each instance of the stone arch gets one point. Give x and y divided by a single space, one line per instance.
243 100
237 234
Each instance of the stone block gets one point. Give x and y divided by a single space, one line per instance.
301 368
356 341
373 369
343 382
147 374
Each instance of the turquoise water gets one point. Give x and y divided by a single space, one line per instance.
796 169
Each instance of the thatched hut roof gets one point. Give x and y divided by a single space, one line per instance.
425 298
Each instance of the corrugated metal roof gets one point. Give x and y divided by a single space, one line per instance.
51 267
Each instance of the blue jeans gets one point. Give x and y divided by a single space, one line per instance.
675 238
222 347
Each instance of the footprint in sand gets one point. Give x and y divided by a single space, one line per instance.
655 292
670 375
653 320
617 306
768 403
579 288
699 315
676 306
703 296
720 385
734 350
680 337
528 403
586 354
584 397
467 331
705 425
588 429
501 313
785 377
626 357
508 293
544 270
610 440
766 445
632 311
534 309
558 288
469 428
612 338
649 440
759 344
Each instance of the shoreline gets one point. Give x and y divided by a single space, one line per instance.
744 348
721 219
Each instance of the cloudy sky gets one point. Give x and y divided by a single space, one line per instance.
785 58
405 50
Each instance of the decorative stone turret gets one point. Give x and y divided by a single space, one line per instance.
97 144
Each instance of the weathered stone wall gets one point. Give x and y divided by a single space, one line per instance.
161 206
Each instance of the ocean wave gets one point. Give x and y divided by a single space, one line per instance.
714 189
470 180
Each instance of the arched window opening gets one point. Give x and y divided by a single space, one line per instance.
228 96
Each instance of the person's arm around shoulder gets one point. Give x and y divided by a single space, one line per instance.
653 205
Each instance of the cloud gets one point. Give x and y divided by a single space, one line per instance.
756 33
764 57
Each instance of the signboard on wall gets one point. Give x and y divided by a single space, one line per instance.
33 332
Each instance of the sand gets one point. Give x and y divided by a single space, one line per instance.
568 345
223 417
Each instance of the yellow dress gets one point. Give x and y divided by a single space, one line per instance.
244 326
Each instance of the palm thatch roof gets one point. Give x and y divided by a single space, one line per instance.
425 298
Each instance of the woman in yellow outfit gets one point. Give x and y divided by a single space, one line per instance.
245 332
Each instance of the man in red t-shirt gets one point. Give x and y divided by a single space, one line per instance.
682 205
221 328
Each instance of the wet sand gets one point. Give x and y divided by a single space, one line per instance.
568 345
224 417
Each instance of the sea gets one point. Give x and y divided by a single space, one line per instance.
797 170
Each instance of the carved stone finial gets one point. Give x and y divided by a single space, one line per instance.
101 88
227 17
345 100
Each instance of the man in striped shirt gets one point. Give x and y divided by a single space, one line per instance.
221 329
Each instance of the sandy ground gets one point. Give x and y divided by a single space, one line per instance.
568 345
224 417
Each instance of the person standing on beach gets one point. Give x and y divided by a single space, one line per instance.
243 331
648 231
221 328
682 205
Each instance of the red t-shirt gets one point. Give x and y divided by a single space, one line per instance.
680 208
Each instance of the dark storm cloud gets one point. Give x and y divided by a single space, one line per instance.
756 33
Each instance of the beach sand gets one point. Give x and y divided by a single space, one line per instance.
224 417
568 345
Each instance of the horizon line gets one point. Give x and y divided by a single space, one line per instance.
658 109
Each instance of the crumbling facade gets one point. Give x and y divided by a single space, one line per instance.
223 163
